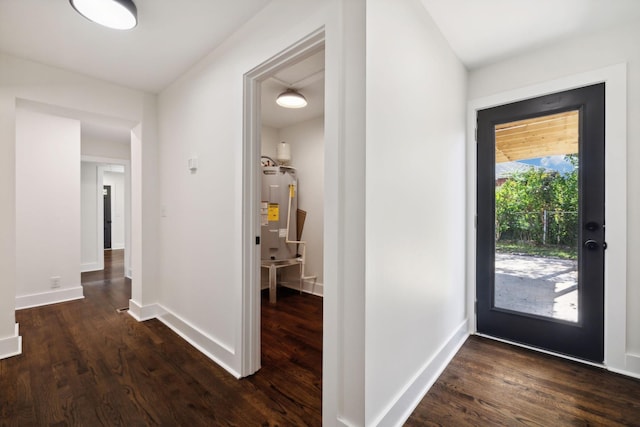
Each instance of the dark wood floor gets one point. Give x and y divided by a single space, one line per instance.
489 383
86 364
83 363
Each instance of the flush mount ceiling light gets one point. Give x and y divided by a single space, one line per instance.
116 14
291 99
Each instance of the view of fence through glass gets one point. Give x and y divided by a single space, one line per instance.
536 204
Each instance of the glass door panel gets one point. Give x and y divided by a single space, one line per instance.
536 215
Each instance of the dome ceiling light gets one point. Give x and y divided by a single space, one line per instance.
291 99
115 14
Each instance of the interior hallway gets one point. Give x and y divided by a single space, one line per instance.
88 364
85 363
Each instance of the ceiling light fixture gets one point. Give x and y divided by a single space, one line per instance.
291 98
116 14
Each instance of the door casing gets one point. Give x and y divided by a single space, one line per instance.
615 200
585 338
251 188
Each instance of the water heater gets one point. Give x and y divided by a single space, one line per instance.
279 204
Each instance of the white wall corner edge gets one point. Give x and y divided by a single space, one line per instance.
215 350
407 401
49 297
143 312
11 346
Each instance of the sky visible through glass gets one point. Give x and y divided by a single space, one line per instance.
556 163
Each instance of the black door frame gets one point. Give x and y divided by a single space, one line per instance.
586 338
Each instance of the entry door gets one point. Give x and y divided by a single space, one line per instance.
107 216
540 222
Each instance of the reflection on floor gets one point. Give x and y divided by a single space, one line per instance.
537 285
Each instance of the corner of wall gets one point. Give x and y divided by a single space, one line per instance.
631 366
143 312
209 346
406 402
206 344
11 346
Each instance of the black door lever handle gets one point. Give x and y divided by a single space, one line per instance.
591 244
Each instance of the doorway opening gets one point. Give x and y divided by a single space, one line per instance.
288 144
540 222
106 194
105 212
291 221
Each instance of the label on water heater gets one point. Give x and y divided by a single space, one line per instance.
283 233
264 213
274 212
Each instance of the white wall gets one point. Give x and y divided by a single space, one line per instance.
47 208
91 257
98 147
568 58
71 94
118 189
307 156
201 230
269 143
415 200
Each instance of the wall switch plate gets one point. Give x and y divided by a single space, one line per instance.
193 164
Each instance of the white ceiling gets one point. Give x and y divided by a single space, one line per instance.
307 77
484 31
170 37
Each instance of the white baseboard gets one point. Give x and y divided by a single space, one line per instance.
206 344
91 266
631 368
142 313
11 346
400 410
49 297
625 373
308 286
633 364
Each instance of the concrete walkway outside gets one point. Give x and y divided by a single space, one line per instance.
536 285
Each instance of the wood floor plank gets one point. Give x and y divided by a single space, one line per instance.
86 364
489 383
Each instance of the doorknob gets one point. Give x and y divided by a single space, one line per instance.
591 244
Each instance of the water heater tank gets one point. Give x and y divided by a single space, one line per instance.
283 153
279 183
